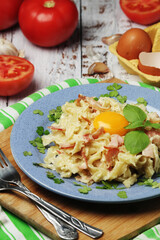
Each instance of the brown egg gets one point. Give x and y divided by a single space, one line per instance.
133 42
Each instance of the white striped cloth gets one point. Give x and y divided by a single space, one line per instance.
13 228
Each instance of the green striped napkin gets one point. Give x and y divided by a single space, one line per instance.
13 228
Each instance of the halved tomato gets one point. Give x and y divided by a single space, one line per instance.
15 74
142 11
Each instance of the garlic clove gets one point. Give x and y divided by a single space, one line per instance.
7 48
111 39
98 67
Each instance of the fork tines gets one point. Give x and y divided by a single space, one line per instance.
3 159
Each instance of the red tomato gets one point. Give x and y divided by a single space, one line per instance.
142 11
9 13
15 74
48 23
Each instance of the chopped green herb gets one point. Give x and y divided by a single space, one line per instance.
58 180
77 184
55 114
71 101
113 93
26 153
52 176
37 164
110 88
149 182
117 86
109 185
141 100
84 188
122 99
122 194
96 99
114 86
40 131
104 95
37 142
46 132
37 111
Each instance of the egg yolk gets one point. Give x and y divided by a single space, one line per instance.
112 122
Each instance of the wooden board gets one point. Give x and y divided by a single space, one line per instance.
117 221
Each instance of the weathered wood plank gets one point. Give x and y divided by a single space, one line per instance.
97 18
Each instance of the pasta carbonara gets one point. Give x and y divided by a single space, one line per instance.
93 155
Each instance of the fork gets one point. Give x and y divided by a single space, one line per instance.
10 176
9 173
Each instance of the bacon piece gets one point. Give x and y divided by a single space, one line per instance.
110 155
153 132
56 128
98 133
154 117
87 120
67 146
87 138
84 157
78 102
156 140
59 152
154 135
116 141
92 103
148 151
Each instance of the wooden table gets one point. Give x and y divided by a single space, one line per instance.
97 18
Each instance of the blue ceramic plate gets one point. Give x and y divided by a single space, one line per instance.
25 127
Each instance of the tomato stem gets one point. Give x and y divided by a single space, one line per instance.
49 4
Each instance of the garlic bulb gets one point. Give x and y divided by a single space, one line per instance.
7 48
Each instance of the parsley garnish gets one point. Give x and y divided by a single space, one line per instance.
37 164
37 111
55 114
149 182
114 93
122 194
109 185
40 131
122 99
84 188
52 176
26 153
37 142
114 86
141 100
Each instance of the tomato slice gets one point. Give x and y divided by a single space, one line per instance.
142 11
15 74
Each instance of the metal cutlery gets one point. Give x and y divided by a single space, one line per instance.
9 180
10 174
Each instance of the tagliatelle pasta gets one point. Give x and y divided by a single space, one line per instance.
93 155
